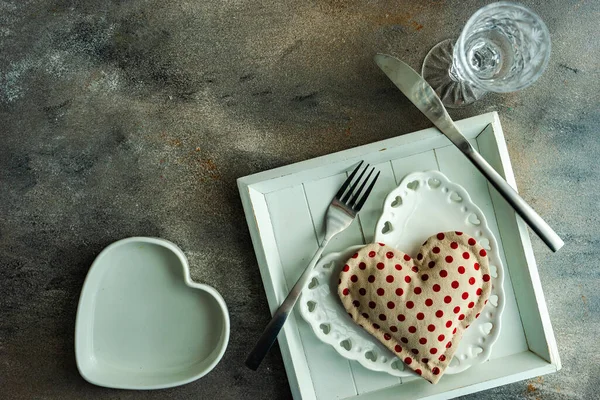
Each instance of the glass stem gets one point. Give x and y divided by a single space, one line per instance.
453 71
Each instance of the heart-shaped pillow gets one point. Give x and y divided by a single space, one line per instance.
418 308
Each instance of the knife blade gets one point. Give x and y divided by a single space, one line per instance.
424 97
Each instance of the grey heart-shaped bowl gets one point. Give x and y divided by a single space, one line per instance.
141 321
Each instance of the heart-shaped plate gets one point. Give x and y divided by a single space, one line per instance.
142 323
422 205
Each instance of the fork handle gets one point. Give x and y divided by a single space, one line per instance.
270 333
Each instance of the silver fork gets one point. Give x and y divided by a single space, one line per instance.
341 212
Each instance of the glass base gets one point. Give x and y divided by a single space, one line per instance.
436 71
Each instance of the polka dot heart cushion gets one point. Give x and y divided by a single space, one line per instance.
418 308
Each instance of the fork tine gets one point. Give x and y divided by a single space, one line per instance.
353 187
352 202
340 192
364 197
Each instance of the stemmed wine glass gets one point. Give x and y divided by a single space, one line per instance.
504 47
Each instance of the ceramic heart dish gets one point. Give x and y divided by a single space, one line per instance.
142 323
423 204
418 308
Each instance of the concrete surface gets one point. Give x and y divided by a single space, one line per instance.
122 118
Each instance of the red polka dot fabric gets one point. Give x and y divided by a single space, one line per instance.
418 307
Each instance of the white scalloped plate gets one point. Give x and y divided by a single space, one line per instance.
425 203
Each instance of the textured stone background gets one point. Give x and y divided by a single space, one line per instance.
122 118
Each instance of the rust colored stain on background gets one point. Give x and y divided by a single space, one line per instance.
404 19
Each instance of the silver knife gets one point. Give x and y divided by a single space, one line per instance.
424 97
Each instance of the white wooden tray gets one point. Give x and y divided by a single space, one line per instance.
285 209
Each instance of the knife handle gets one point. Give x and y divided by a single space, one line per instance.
531 218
